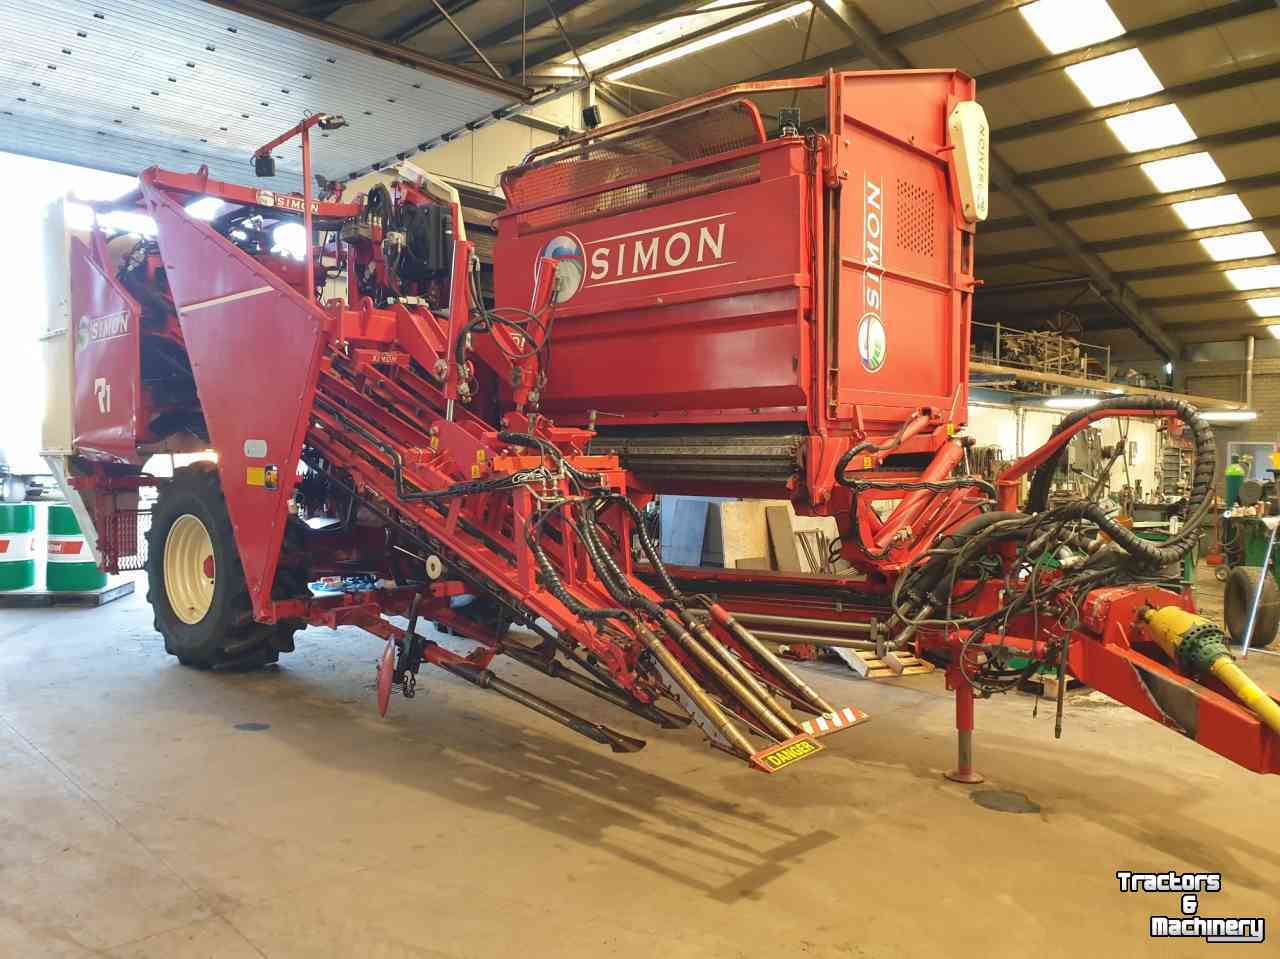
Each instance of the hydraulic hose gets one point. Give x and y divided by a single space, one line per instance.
939 486
529 441
650 550
735 681
867 446
1201 495
555 585
932 574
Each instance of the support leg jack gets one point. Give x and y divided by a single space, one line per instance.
964 771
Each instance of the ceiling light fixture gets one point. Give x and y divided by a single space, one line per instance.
1254 277
1212 211
1072 402
1064 25
671 31
1151 129
1265 306
1238 246
1229 416
644 40
1183 173
1121 76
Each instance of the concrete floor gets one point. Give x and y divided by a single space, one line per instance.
150 810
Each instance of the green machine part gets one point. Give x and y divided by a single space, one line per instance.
1234 476
1252 544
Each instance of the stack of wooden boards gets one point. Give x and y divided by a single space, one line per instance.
769 535
748 534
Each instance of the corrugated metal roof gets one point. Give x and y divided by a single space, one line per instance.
130 83
1222 42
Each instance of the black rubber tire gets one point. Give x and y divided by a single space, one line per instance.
227 637
1236 598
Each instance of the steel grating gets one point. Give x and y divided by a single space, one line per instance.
125 84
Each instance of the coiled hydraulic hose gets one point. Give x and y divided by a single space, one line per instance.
938 486
552 580
925 583
1201 496
648 547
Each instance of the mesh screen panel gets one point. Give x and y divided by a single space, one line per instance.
646 151
122 540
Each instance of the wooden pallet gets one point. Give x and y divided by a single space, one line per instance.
33 598
866 665
1046 685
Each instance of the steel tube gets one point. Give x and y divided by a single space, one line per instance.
557 670
909 630
836 625
715 715
306 213
767 655
964 771
733 686
1263 573
485 679
743 675
788 639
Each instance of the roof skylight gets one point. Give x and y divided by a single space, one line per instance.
1212 211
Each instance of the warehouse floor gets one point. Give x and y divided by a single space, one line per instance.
150 810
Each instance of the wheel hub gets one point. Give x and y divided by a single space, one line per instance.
189 569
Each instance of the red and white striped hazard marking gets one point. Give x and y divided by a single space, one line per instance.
834 722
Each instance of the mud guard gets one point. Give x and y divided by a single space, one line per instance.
255 346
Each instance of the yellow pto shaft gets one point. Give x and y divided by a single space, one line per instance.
1248 692
1197 645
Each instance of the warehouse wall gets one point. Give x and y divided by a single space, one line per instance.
479 159
1019 430
1218 370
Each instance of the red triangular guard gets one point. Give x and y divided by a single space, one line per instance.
255 347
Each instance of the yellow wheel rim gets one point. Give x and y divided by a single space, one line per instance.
189 570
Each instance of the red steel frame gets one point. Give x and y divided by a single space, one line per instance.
340 381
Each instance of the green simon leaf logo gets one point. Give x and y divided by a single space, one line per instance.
872 344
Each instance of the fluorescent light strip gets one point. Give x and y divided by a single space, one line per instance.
1229 416
655 36
1274 331
711 40
1238 246
1183 173
1121 76
1212 211
1072 402
1064 25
